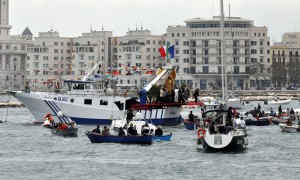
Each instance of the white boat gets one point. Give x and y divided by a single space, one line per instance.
215 133
289 128
277 101
90 101
137 121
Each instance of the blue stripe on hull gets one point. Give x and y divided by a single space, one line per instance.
91 121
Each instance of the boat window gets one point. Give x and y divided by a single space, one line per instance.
120 105
87 101
79 86
103 102
55 98
87 86
72 100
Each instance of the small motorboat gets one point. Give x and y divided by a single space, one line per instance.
98 138
191 125
162 138
70 132
289 128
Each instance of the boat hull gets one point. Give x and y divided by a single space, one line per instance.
290 129
98 138
71 132
263 122
189 125
40 103
162 138
236 143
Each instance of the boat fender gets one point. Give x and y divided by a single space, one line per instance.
246 142
201 133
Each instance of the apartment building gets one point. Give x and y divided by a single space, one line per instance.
136 53
198 53
285 66
48 59
13 50
89 49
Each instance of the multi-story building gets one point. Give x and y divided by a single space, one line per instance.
291 39
136 53
12 52
285 57
198 52
48 59
91 48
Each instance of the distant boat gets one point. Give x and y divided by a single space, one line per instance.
98 138
290 128
277 101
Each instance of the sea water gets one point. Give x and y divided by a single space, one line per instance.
29 151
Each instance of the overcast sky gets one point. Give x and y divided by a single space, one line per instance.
73 17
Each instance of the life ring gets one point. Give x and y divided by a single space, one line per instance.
201 133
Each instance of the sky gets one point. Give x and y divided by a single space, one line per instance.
71 18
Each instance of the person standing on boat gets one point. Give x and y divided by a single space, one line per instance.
191 117
97 130
196 94
258 107
292 111
279 111
161 95
158 131
129 116
272 113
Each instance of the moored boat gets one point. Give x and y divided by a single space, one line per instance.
98 138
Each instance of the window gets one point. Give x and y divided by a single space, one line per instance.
55 43
177 43
178 34
186 60
186 43
186 51
183 34
253 43
148 42
62 43
253 51
104 102
172 34
205 69
55 50
87 101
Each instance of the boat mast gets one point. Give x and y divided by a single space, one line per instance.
224 74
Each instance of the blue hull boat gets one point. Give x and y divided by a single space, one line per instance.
98 138
190 125
263 122
162 138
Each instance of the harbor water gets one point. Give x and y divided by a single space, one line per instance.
28 151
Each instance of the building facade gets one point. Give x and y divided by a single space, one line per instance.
285 57
13 51
198 53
